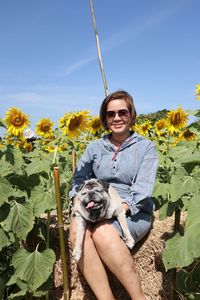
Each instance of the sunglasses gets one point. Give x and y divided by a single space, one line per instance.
122 113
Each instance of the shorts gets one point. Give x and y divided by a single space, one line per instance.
139 225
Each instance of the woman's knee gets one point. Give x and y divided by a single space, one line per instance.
103 233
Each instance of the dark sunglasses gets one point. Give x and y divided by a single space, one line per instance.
122 113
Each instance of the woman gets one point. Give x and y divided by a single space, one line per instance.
128 162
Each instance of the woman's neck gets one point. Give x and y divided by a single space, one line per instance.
118 140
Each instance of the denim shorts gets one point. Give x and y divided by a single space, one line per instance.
139 225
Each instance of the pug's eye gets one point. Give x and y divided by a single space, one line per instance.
83 193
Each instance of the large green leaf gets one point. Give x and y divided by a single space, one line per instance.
5 188
177 253
38 166
33 268
181 185
161 189
20 219
182 250
19 182
42 200
5 167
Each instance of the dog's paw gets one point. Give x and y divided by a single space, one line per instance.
76 255
130 242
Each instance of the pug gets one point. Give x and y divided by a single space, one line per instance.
97 200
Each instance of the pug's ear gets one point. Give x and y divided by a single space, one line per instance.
104 184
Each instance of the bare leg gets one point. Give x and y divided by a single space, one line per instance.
116 256
92 267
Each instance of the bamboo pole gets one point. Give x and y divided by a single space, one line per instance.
98 49
73 161
61 234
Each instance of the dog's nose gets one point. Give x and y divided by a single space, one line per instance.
91 194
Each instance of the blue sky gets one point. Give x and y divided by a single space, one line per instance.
49 63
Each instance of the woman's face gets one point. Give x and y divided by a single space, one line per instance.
118 117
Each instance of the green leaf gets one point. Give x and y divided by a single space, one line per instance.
182 250
4 211
181 185
42 200
5 167
33 268
168 209
38 166
5 239
18 294
3 123
177 253
5 188
20 219
161 189
19 182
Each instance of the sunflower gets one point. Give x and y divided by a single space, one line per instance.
28 147
197 92
137 128
159 126
145 127
72 124
16 121
44 128
63 147
16 141
95 126
50 148
187 135
176 120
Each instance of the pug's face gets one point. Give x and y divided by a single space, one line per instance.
94 199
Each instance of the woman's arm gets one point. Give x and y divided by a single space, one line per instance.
83 171
143 185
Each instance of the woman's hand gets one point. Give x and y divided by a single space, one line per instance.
126 207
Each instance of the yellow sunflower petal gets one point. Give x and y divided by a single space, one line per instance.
197 92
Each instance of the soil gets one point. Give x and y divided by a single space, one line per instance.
147 255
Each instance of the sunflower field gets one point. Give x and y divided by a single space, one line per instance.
28 194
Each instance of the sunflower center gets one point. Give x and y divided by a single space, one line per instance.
74 123
160 125
187 134
17 120
45 127
145 127
96 124
176 119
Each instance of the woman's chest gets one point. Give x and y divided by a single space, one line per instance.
122 165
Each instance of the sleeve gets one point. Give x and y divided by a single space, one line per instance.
84 170
142 187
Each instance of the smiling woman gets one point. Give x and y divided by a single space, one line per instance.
128 162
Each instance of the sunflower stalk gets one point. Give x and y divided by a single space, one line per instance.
61 234
98 49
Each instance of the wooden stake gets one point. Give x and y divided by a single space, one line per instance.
61 234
